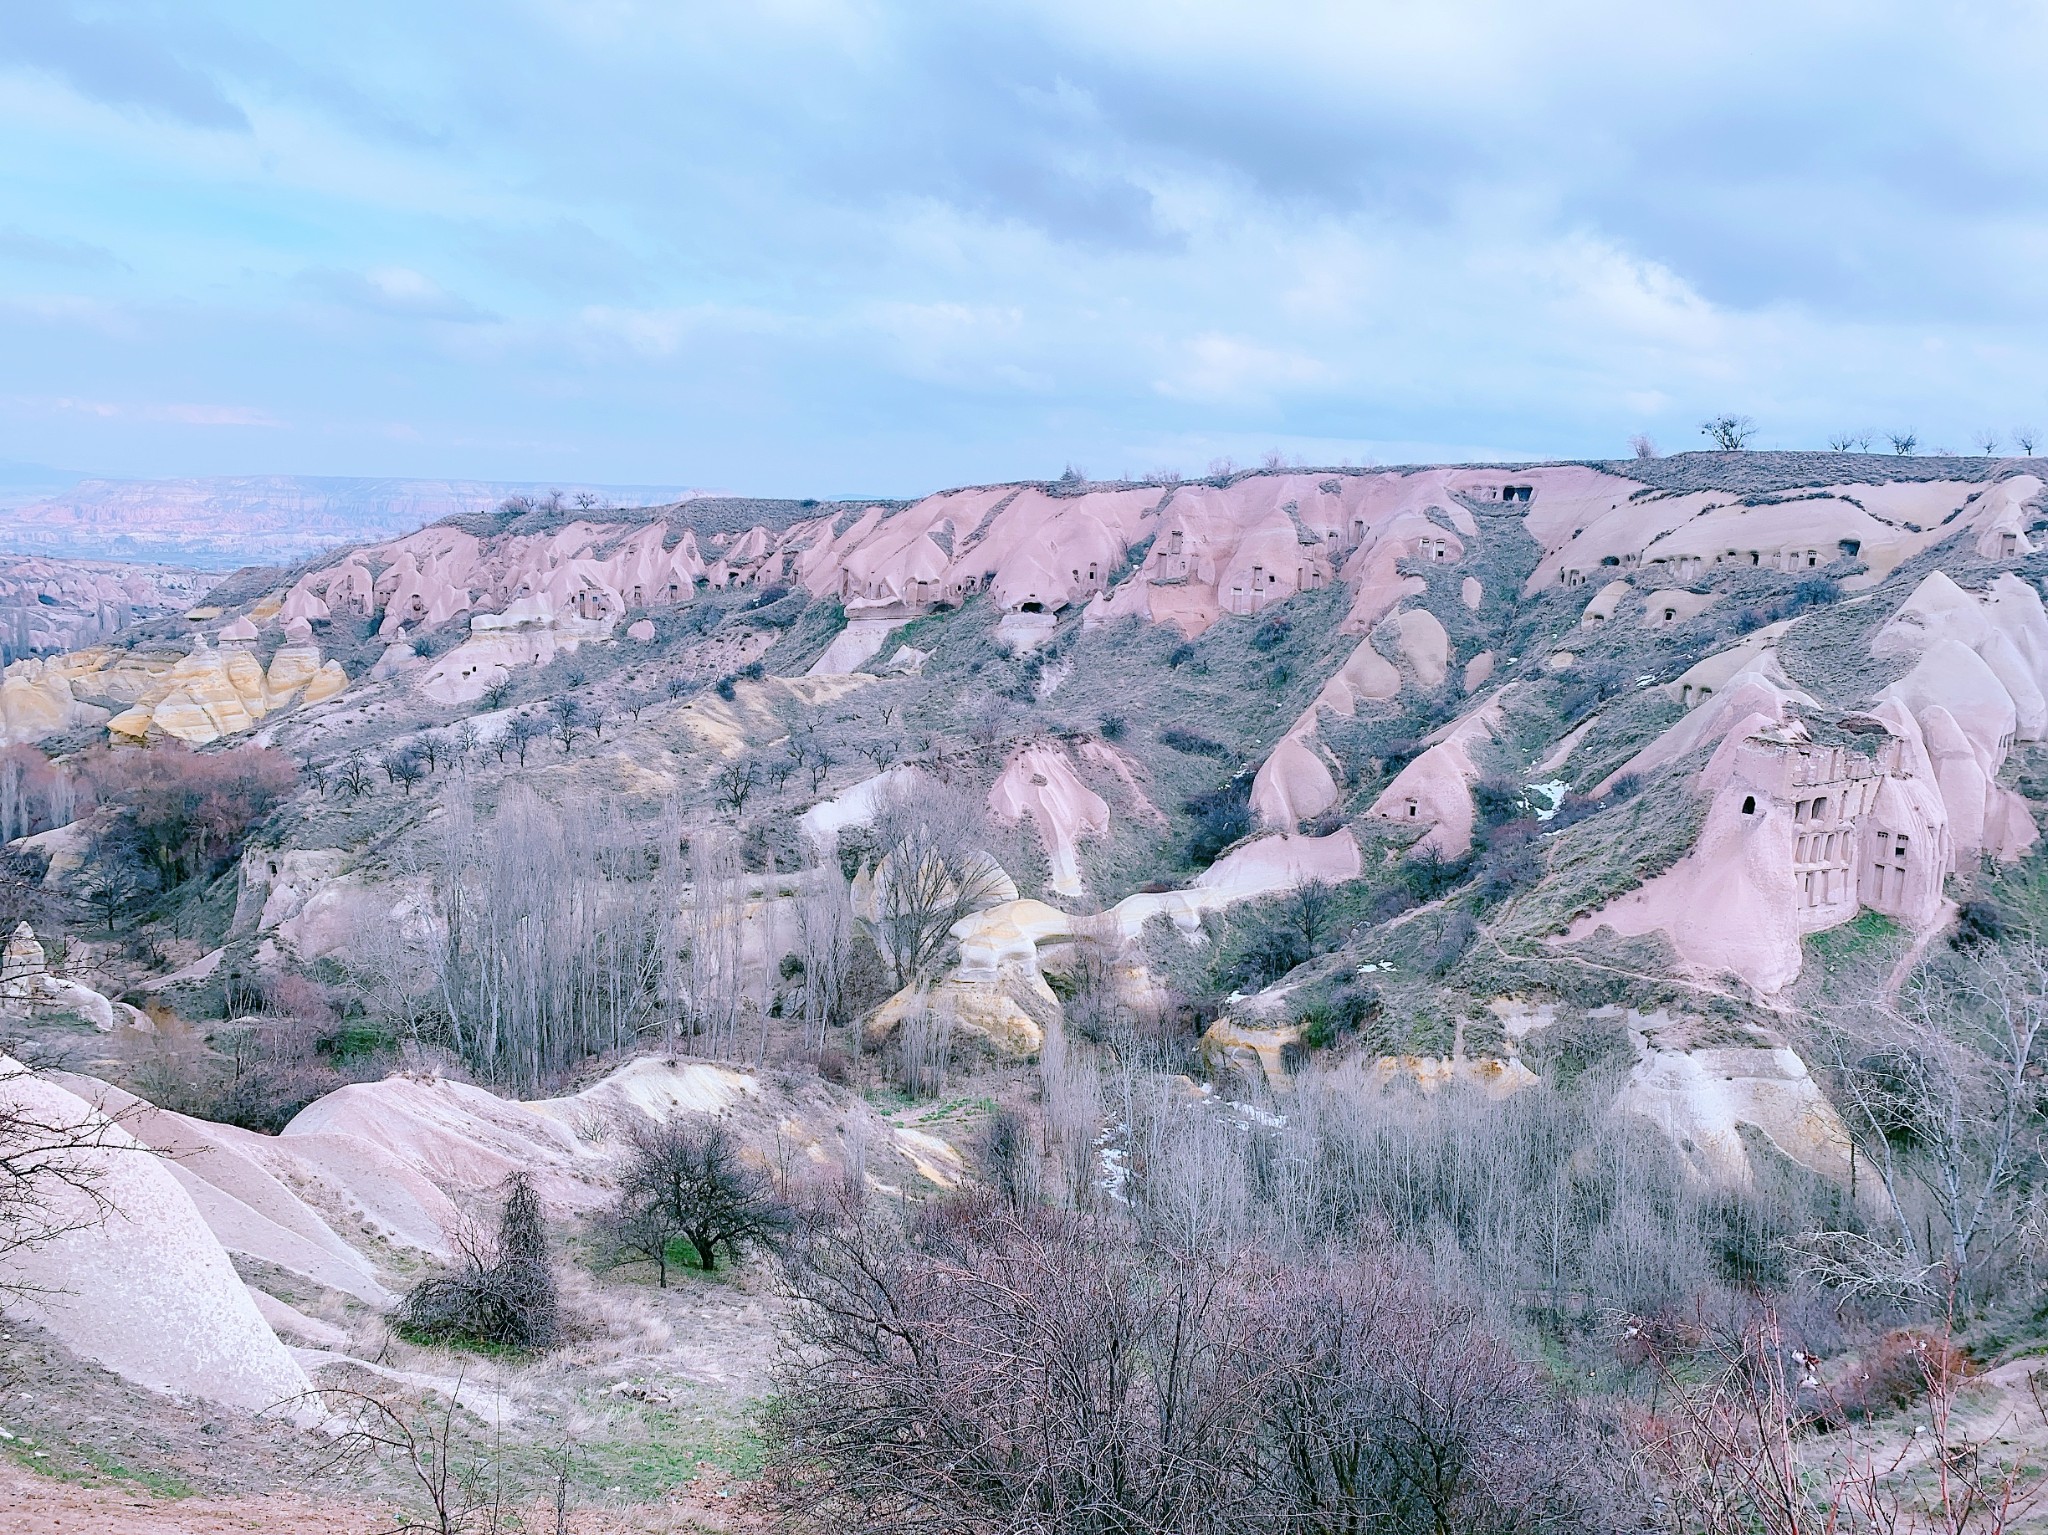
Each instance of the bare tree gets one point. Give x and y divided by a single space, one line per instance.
924 1044
353 779
432 749
1904 444
734 783
521 731
567 714
930 873
1986 442
1729 434
404 768
693 1182
110 882
717 908
824 918
1309 907
545 946
1642 446
2023 438
1850 442
1942 1108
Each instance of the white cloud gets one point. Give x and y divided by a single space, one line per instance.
1219 369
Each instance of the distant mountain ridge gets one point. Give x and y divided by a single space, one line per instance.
225 522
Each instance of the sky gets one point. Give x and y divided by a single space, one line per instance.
828 247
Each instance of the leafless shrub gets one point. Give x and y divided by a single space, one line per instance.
501 1293
1642 446
438 1448
1015 1370
1737 1446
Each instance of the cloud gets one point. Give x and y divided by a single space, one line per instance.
118 65
819 243
17 244
399 292
171 413
1228 370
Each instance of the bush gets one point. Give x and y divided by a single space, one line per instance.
1428 874
1268 955
1497 800
1020 1370
1980 921
1186 741
1452 939
1221 817
503 1295
1897 1371
1112 727
1271 634
1347 1010
1510 865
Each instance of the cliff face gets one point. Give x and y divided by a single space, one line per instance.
1361 654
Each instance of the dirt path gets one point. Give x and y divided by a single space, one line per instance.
35 1505
1890 991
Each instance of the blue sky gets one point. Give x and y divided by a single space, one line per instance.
824 247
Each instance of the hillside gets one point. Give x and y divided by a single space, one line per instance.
1597 824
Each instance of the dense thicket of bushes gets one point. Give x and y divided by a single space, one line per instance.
1005 1369
186 812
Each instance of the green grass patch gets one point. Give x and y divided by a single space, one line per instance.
958 1108
1869 933
656 1449
63 1465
